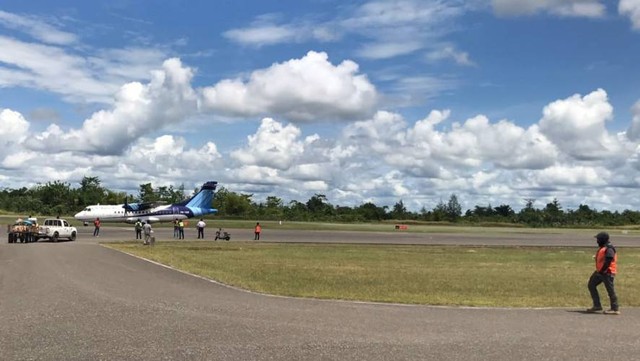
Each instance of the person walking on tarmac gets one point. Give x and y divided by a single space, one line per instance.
200 225
181 229
176 230
96 229
606 263
257 231
138 227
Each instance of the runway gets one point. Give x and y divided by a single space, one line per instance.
81 301
582 238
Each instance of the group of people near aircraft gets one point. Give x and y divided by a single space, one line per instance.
141 227
178 229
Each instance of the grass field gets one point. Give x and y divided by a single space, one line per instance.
434 275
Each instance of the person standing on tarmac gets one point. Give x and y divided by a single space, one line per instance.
257 231
96 229
606 267
138 227
147 233
176 230
181 229
200 225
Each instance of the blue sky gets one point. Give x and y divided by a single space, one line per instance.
494 101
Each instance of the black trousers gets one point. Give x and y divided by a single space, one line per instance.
598 278
200 232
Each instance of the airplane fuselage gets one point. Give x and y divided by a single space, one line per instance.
117 213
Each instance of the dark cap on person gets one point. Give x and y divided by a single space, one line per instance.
602 236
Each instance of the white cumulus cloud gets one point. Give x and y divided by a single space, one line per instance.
164 160
273 145
563 175
306 89
168 157
138 108
576 125
13 131
631 8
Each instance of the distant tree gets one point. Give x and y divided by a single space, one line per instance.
273 202
440 212
317 203
346 214
90 191
482 212
425 214
177 194
56 197
239 204
399 210
296 211
453 210
370 212
630 217
583 216
505 211
232 204
163 193
607 218
273 207
146 193
529 215
553 213
319 208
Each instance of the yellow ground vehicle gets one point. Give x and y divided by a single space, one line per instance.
23 231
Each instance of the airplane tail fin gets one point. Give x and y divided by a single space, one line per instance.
203 198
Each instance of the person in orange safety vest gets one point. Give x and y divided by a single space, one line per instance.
606 268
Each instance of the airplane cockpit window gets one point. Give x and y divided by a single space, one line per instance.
87 209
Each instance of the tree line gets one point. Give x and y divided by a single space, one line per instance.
60 198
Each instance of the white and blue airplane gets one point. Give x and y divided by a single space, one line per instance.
198 205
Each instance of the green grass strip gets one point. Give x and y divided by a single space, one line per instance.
415 274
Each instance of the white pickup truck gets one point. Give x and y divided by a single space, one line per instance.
56 228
